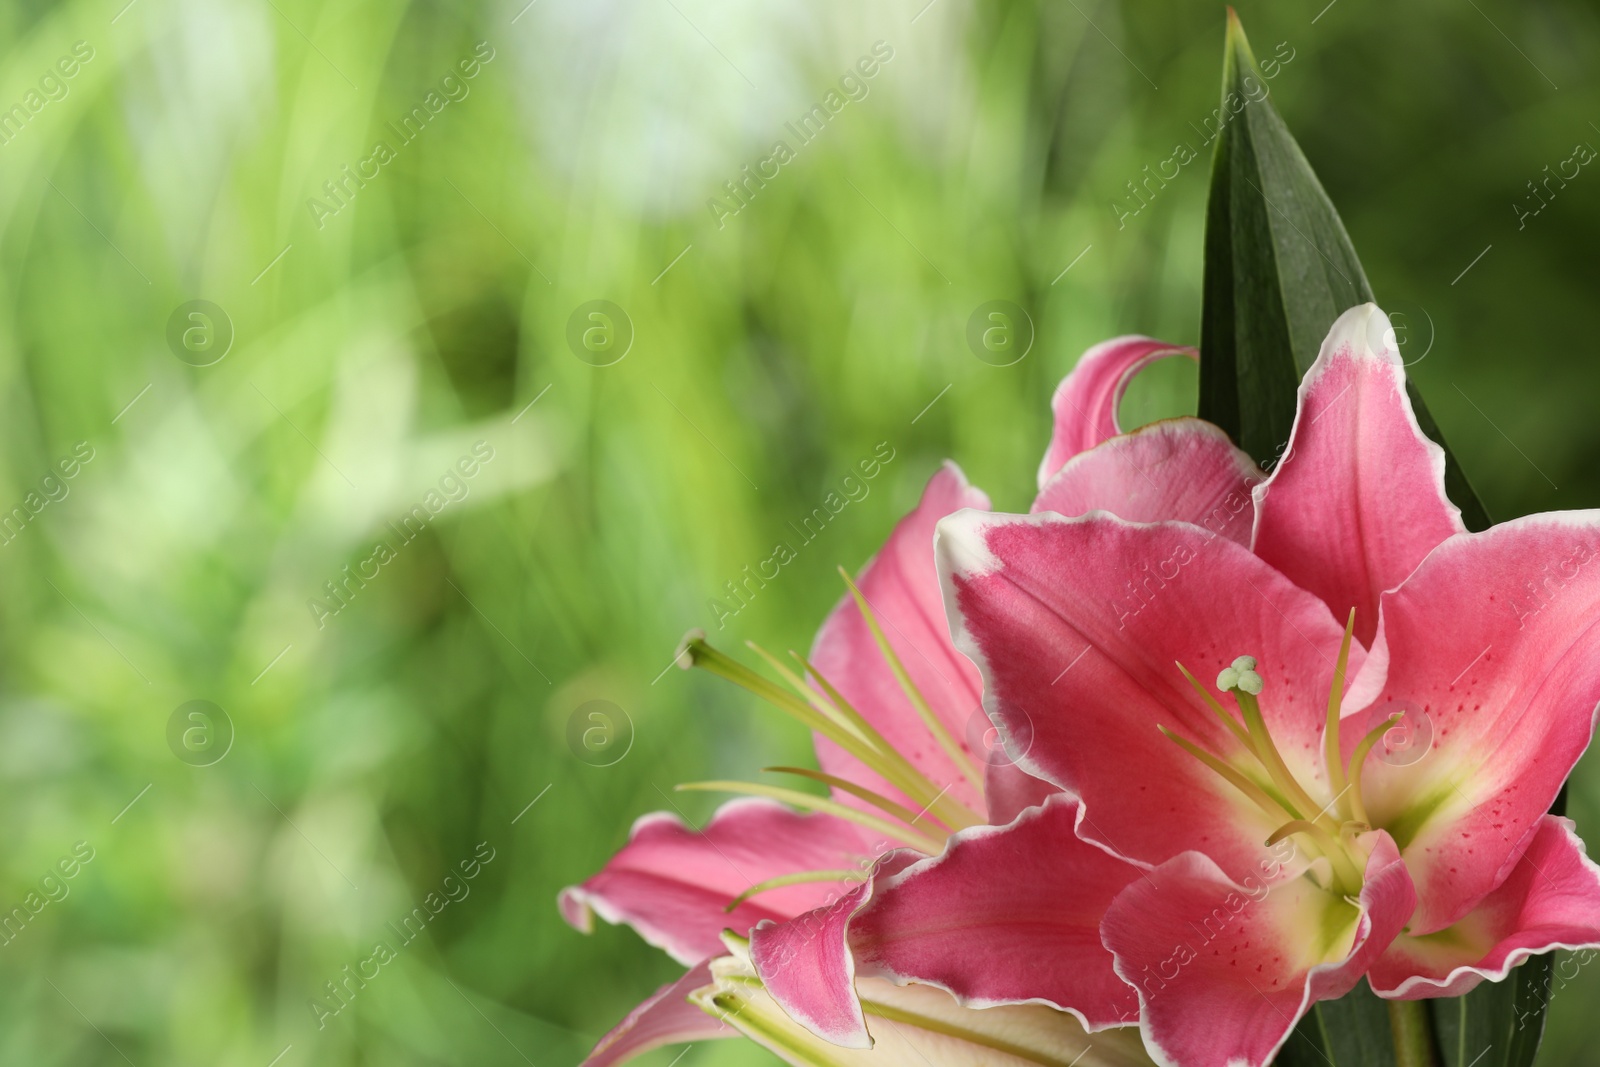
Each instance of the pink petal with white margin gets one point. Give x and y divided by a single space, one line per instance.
1009 790
807 967
1551 900
671 883
902 588
1085 403
1358 499
1182 469
1078 656
1005 915
1224 974
666 1018
1496 638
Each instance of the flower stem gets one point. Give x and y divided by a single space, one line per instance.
1413 1033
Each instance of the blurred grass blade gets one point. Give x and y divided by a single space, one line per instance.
1279 268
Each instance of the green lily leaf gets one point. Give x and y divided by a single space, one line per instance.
1499 1024
1352 1031
1279 268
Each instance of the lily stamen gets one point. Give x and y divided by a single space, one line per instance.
1358 809
798 878
1337 780
877 800
1265 801
923 842
1347 875
846 728
1243 681
1328 832
951 747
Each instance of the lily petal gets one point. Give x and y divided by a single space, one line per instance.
1085 403
1551 900
807 966
666 1018
902 588
1076 624
672 884
918 1026
1358 499
1006 915
1224 973
1182 469
1009 790
1494 641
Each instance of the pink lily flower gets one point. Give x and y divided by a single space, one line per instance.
900 732
1218 857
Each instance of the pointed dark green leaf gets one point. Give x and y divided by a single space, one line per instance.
1279 268
1499 1024
1352 1031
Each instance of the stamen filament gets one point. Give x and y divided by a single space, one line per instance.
1330 732
877 800
949 810
800 878
810 695
1358 807
957 755
1232 775
1268 753
877 753
1227 720
919 841
1344 868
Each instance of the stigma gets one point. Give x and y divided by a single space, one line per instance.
1327 830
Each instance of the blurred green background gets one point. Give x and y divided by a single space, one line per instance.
379 334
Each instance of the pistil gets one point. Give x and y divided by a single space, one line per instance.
1327 831
1358 808
1337 782
1242 680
